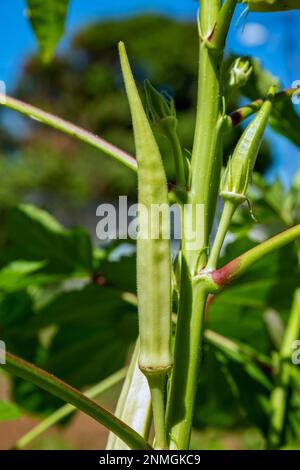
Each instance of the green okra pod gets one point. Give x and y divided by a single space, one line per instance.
153 255
239 169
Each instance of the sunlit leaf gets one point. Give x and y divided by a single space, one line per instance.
47 18
8 411
269 6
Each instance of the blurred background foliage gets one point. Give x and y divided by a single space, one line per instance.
84 86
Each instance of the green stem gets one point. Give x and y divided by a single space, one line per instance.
157 385
65 392
279 396
218 37
204 187
239 115
70 129
238 266
67 410
226 217
187 355
207 148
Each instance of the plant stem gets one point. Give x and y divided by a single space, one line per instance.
69 129
239 115
204 186
157 385
218 37
68 409
187 355
207 149
65 392
238 266
226 217
279 396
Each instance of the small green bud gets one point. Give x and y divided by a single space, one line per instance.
240 72
239 169
161 109
235 180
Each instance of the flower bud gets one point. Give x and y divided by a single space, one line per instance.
240 72
161 109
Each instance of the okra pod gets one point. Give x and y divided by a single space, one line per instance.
153 254
240 165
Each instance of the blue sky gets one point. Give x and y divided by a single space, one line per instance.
271 37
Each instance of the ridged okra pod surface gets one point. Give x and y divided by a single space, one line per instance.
153 240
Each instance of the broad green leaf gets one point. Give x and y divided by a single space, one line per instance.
251 394
95 325
121 272
269 6
18 274
47 18
34 235
8 411
88 334
230 393
16 315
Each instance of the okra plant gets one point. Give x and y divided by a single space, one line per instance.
174 292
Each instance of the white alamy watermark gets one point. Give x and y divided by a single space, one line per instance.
2 353
123 221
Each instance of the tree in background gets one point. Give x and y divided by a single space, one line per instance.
84 85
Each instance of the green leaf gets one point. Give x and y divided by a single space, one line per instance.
121 272
47 18
88 332
238 379
8 411
18 274
233 391
269 6
34 235
95 326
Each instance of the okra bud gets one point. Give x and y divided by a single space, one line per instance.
239 168
239 72
161 109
